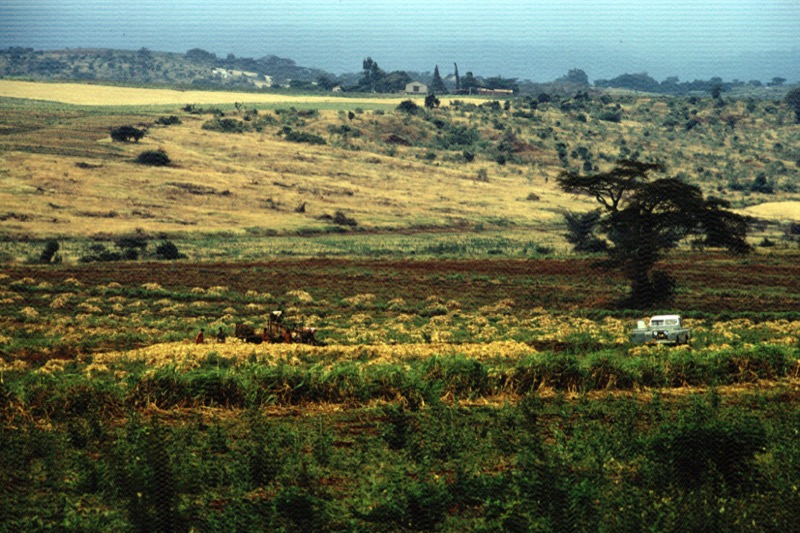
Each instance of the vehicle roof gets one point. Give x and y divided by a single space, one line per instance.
665 317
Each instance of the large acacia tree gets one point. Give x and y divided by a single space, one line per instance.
792 99
641 218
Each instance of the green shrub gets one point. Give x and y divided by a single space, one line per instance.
462 377
304 137
716 452
226 125
148 480
98 252
610 116
49 253
763 361
168 251
409 107
127 133
165 388
215 388
154 158
168 121
301 510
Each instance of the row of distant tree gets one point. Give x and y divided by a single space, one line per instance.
375 79
672 85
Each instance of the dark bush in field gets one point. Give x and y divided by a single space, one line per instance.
154 158
48 255
168 121
409 107
148 479
226 125
714 452
168 250
610 116
762 185
581 229
127 133
131 247
304 137
341 219
98 252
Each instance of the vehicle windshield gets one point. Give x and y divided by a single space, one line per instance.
664 322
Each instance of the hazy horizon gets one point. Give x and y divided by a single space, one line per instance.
540 41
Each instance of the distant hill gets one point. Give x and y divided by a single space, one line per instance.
196 68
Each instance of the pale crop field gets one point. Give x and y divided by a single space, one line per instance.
776 210
104 95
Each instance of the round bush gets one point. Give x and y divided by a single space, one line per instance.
154 158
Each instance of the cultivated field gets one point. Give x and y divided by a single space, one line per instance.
464 394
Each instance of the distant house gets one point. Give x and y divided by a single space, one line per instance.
416 87
494 92
228 73
221 72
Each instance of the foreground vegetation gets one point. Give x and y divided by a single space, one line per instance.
720 460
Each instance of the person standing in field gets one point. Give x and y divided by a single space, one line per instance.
200 337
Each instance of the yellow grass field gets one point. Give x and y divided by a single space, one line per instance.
103 95
253 182
779 211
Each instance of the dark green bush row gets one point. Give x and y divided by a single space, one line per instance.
130 249
226 125
304 137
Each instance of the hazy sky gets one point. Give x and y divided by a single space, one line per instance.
537 40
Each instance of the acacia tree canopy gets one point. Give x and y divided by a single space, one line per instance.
792 99
642 218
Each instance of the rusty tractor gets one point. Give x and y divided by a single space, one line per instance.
276 331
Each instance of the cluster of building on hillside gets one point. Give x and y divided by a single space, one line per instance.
254 77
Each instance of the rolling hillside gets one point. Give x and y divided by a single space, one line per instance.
196 68
257 164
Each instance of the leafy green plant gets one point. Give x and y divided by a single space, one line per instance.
226 125
48 255
304 137
168 250
716 451
127 133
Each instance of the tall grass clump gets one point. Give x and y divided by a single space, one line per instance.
558 370
461 377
